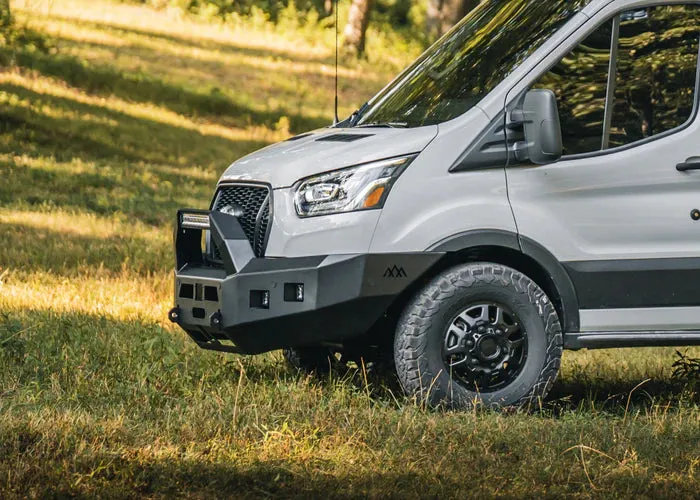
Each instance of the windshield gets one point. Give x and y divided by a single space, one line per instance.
454 74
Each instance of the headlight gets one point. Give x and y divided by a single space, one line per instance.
363 187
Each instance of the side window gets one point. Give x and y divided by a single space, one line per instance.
656 70
580 81
654 54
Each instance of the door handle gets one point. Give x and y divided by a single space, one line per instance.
692 163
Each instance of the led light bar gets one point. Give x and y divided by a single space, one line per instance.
194 221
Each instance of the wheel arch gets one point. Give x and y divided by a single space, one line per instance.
520 253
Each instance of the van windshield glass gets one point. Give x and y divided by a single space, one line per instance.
468 62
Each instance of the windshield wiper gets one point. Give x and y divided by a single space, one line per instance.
384 124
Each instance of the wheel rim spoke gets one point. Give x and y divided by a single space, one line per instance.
454 342
470 321
515 344
498 319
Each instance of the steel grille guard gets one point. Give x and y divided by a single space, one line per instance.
226 233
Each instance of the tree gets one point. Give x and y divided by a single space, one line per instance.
356 29
5 14
443 14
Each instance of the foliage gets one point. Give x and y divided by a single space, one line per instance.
687 369
397 12
655 80
100 396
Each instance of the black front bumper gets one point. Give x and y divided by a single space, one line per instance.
261 304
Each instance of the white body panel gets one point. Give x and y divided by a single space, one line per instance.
284 163
429 204
292 236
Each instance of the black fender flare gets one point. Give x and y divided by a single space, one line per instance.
529 248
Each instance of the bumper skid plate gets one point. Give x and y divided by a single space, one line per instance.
252 305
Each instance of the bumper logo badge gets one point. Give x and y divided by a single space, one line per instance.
233 209
394 272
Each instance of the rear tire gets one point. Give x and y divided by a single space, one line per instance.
479 333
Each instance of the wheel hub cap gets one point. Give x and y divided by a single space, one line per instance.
485 347
488 348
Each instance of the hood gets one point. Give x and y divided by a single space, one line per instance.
286 162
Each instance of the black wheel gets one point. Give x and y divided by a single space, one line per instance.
478 333
311 359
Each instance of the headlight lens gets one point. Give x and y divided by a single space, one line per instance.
363 187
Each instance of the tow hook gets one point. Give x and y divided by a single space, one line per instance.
174 315
216 320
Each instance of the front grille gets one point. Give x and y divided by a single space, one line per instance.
253 202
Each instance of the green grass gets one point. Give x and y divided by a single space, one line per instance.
135 115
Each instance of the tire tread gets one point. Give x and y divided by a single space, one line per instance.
411 341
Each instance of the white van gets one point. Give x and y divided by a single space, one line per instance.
530 184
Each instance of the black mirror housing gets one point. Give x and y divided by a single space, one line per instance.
539 116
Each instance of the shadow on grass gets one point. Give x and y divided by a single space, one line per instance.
62 252
205 44
69 129
143 88
124 158
615 396
269 479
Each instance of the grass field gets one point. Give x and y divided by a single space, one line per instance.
135 114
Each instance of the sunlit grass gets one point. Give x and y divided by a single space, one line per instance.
135 116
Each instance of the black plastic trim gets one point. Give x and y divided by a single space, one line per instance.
342 137
300 136
490 149
271 203
620 284
477 238
606 340
568 292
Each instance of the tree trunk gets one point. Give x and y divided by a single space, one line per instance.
443 14
356 29
327 9
5 15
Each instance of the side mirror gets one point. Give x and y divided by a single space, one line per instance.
539 116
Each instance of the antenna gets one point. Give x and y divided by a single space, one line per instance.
335 115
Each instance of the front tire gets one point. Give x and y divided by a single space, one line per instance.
310 359
478 333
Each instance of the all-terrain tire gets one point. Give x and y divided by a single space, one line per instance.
421 330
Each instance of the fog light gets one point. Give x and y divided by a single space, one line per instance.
294 292
260 299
